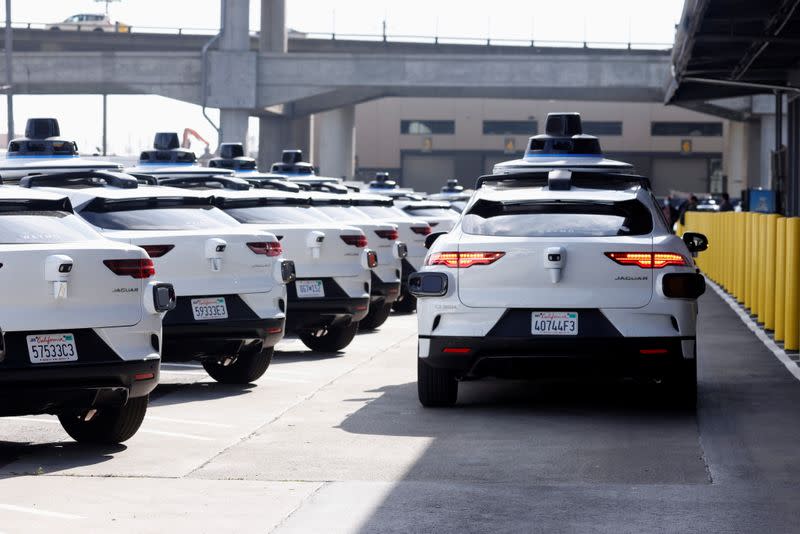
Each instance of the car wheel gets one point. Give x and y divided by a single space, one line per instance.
248 366
108 425
331 339
684 384
377 316
55 28
435 387
406 304
97 30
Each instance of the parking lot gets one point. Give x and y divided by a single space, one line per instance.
327 443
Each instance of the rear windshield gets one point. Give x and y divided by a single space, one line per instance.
431 212
275 215
558 219
189 218
341 213
32 227
384 212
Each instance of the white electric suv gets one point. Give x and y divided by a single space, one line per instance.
80 320
229 279
553 269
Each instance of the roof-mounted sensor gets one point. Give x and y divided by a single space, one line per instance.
42 139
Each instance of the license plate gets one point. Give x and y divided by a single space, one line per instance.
209 308
554 324
50 348
309 289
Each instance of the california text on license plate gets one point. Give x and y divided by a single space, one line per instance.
48 348
554 323
310 289
209 308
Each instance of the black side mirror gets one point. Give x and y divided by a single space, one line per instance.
695 242
433 237
427 284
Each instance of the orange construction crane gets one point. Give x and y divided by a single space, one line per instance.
189 132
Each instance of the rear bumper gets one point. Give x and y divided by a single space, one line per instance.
308 314
381 291
55 388
546 357
201 339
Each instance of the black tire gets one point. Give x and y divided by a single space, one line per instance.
435 387
407 303
109 425
332 339
377 316
246 368
684 384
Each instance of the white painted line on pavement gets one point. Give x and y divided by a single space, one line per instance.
779 353
36 511
185 421
175 434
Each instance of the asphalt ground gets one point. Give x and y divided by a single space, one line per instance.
339 443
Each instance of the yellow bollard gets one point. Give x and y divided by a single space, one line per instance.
752 250
780 277
768 305
762 266
739 257
792 293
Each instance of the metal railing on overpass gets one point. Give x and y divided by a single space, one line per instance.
755 257
382 37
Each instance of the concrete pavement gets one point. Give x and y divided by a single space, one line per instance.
340 444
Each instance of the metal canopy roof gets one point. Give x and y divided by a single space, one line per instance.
728 48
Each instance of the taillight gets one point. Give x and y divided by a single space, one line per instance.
156 251
141 268
267 248
388 234
355 240
462 260
421 230
648 260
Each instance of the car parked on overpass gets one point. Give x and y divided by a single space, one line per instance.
96 22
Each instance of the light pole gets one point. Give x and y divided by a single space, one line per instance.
9 73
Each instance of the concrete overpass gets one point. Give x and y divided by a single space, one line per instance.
283 81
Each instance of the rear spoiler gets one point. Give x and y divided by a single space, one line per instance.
77 178
227 182
255 202
35 204
104 205
276 184
563 179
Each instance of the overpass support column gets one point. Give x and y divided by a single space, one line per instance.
273 134
273 26
233 125
335 134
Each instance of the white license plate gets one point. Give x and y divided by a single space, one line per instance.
309 289
209 308
554 324
50 348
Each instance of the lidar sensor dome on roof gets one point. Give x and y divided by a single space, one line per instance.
166 141
42 128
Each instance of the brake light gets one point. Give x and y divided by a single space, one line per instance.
156 251
648 260
267 248
421 230
355 240
141 268
462 260
388 234
456 350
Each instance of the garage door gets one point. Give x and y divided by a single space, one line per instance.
427 173
679 174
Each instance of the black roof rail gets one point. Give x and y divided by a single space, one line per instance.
78 178
579 178
274 183
227 182
324 187
144 179
331 201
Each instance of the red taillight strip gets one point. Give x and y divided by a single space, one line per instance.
388 234
422 230
267 248
648 260
355 240
156 251
653 351
456 350
141 268
462 260
144 376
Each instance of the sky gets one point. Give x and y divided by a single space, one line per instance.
134 119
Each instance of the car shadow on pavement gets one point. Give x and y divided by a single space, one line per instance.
281 357
178 393
68 455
